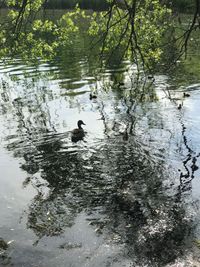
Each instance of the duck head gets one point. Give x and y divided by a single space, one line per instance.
79 123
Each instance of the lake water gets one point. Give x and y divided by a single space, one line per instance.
111 199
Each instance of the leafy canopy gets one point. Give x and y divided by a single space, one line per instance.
133 29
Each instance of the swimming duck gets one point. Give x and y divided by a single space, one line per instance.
78 133
186 94
92 96
121 83
150 77
179 106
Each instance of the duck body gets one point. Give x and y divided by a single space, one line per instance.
179 106
186 94
121 83
92 96
78 133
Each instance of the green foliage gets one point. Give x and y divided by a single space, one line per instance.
138 31
141 41
36 38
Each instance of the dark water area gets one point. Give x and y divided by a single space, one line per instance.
125 195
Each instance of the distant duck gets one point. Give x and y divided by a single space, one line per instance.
179 106
78 133
150 76
186 94
121 83
92 96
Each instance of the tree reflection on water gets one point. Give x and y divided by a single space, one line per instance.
118 184
117 178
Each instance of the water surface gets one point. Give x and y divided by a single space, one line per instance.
111 199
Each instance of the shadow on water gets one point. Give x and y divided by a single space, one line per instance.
116 183
120 182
